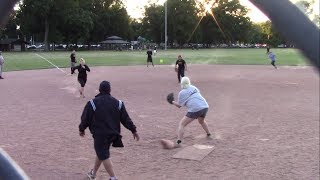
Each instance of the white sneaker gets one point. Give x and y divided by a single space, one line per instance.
91 175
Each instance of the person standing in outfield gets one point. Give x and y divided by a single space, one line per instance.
82 75
73 61
1 64
272 57
155 50
149 59
197 106
103 116
180 67
268 49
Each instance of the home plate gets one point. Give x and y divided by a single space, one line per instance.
196 152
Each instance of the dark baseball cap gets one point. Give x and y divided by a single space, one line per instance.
105 87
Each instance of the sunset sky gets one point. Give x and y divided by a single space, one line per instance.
135 8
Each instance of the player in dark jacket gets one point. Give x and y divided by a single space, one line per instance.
103 116
82 76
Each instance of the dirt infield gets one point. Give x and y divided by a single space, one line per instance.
265 123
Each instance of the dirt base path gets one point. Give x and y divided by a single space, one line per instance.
265 123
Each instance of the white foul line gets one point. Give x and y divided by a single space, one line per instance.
51 63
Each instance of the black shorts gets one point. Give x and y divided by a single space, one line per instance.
82 81
102 147
149 59
195 115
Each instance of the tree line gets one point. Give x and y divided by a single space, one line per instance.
91 21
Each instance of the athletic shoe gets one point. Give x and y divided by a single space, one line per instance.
1 77
211 136
91 175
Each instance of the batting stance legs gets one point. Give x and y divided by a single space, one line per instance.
185 121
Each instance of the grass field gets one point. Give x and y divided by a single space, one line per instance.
29 60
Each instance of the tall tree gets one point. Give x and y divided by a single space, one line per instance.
76 21
231 17
38 17
182 20
256 36
307 7
153 23
136 29
73 21
11 29
119 21
270 35
109 17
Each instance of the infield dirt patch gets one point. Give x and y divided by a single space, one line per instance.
265 122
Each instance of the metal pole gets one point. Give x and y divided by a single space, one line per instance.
165 25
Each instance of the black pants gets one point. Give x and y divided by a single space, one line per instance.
273 64
180 74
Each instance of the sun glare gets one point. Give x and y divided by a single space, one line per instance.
205 6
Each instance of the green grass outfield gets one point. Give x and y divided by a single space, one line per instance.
29 60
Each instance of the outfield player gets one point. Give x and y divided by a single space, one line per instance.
180 67
103 116
155 50
272 57
191 98
1 64
149 59
73 61
82 75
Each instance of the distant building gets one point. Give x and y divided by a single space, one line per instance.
12 44
114 43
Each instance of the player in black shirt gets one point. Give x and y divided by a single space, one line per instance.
149 59
180 67
73 61
82 76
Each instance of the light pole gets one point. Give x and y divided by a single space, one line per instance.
165 25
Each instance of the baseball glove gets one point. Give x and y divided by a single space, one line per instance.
170 98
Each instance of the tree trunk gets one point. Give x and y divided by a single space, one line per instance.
46 33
